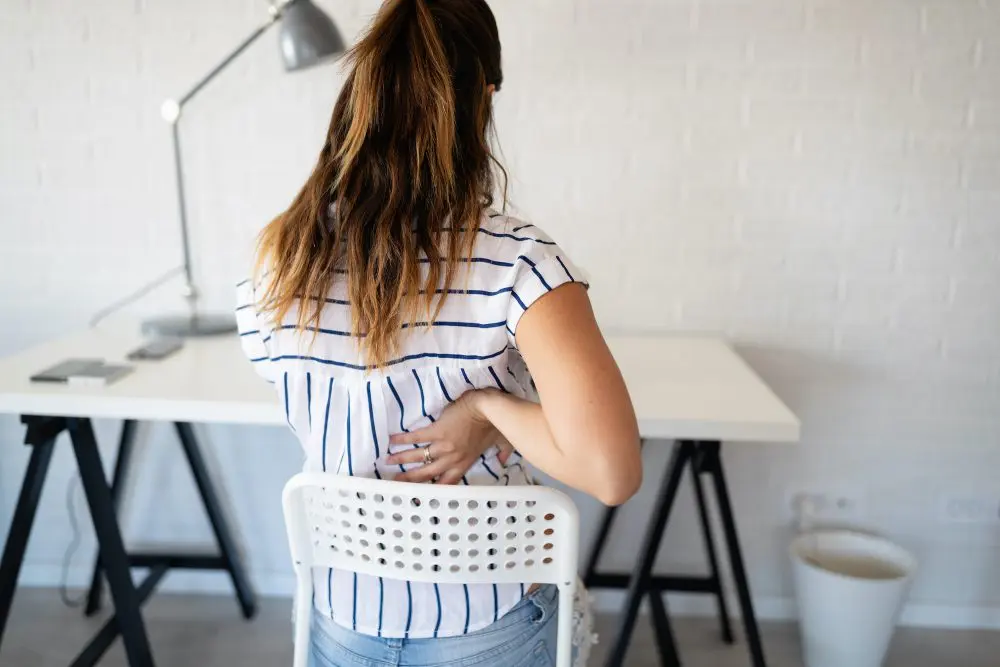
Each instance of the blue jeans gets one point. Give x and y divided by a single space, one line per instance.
525 637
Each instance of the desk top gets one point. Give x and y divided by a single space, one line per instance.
682 388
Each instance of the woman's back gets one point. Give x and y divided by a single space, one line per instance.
343 412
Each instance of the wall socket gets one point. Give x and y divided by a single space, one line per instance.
825 506
981 508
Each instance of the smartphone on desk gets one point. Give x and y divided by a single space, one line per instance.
161 348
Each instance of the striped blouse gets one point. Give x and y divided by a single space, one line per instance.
343 415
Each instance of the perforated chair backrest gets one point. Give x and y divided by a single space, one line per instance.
431 533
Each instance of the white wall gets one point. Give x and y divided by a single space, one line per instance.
818 179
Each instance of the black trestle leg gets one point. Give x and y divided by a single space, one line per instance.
114 560
639 582
227 545
725 625
713 462
118 481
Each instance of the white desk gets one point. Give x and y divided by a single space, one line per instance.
682 388
696 391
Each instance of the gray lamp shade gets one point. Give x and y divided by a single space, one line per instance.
308 36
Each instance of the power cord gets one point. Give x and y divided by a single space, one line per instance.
74 544
135 296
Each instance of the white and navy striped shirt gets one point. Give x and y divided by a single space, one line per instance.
343 414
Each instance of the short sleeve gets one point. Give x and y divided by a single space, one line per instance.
254 338
540 267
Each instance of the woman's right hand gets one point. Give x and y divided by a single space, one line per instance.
455 442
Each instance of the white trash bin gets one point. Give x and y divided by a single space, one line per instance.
850 588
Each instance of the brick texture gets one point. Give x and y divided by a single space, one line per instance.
819 180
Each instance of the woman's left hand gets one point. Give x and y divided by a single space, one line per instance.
455 442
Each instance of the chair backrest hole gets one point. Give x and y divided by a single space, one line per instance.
473 537
378 498
550 516
453 504
529 548
399 565
454 553
455 568
398 534
510 549
454 537
473 521
435 503
530 518
473 568
397 501
491 536
417 551
473 505
398 549
492 520
415 518
547 561
418 567
529 534
511 535
548 546
473 553
415 535
549 531
511 504
453 521
510 565
529 563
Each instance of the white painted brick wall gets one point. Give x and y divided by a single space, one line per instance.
817 179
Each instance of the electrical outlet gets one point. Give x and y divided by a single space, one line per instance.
982 508
825 506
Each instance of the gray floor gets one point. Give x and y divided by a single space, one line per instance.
207 632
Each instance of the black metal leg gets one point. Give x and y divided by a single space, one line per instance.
664 634
20 527
639 582
713 462
125 445
220 527
713 562
102 641
115 560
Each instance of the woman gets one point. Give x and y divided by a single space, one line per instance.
405 324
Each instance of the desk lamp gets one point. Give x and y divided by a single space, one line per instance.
308 37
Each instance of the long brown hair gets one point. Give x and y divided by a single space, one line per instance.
403 178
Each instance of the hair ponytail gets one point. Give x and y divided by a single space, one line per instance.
403 178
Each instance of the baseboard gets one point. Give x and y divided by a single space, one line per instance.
768 608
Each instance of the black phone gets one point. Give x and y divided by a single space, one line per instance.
160 348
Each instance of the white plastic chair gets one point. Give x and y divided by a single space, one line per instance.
489 534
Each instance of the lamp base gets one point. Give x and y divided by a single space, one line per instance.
189 326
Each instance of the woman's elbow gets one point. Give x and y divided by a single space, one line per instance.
621 480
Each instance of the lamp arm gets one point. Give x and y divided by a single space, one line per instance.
172 112
233 55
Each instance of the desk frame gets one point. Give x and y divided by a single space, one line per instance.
113 561
701 458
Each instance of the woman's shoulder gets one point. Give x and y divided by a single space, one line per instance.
509 227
